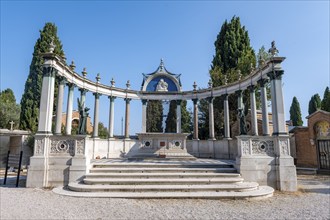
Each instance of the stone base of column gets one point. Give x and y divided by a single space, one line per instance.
37 173
286 174
195 147
77 169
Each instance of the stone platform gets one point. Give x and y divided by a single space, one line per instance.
200 178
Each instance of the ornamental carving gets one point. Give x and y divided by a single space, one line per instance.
39 147
245 147
147 144
284 147
80 146
263 147
62 146
176 144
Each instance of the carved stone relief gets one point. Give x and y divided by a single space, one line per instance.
39 147
245 147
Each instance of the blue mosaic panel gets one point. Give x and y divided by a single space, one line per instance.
153 84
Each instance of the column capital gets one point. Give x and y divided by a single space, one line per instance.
263 81
275 74
70 85
61 79
178 102
195 101
82 91
252 88
144 101
239 92
112 98
97 95
49 71
210 99
127 100
225 96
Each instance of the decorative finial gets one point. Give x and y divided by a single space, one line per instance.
128 85
225 80
84 73
251 68
98 78
261 60
112 82
239 75
52 46
273 50
161 66
210 83
195 86
72 65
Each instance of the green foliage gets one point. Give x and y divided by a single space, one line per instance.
295 113
186 123
262 55
9 110
103 131
325 104
314 104
155 116
171 118
233 54
30 101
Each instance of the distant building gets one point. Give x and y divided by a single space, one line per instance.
75 121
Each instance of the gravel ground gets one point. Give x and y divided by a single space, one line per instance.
312 201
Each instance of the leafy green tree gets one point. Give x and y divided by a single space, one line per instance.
155 116
103 131
9 110
30 101
234 58
325 104
314 104
171 118
295 113
186 122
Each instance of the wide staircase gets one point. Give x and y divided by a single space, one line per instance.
201 178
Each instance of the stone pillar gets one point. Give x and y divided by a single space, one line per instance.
226 116
239 106
195 136
127 117
83 96
58 124
264 106
47 101
96 115
178 116
211 118
69 109
277 102
111 115
254 122
144 115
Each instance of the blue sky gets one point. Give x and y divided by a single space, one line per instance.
125 39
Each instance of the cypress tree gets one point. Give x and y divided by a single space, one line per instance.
314 104
325 104
295 113
30 101
171 118
233 53
186 123
154 116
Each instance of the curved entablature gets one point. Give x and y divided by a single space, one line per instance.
52 60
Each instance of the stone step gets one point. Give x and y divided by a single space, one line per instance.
160 165
161 175
162 170
238 187
162 181
260 193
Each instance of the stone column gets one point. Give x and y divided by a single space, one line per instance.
58 124
47 101
278 116
211 118
111 115
144 115
178 116
226 116
264 106
254 122
96 115
195 136
83 96
239 106
127 117
69 109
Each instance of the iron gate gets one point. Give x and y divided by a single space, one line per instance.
324 154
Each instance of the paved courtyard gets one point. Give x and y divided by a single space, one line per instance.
312 201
